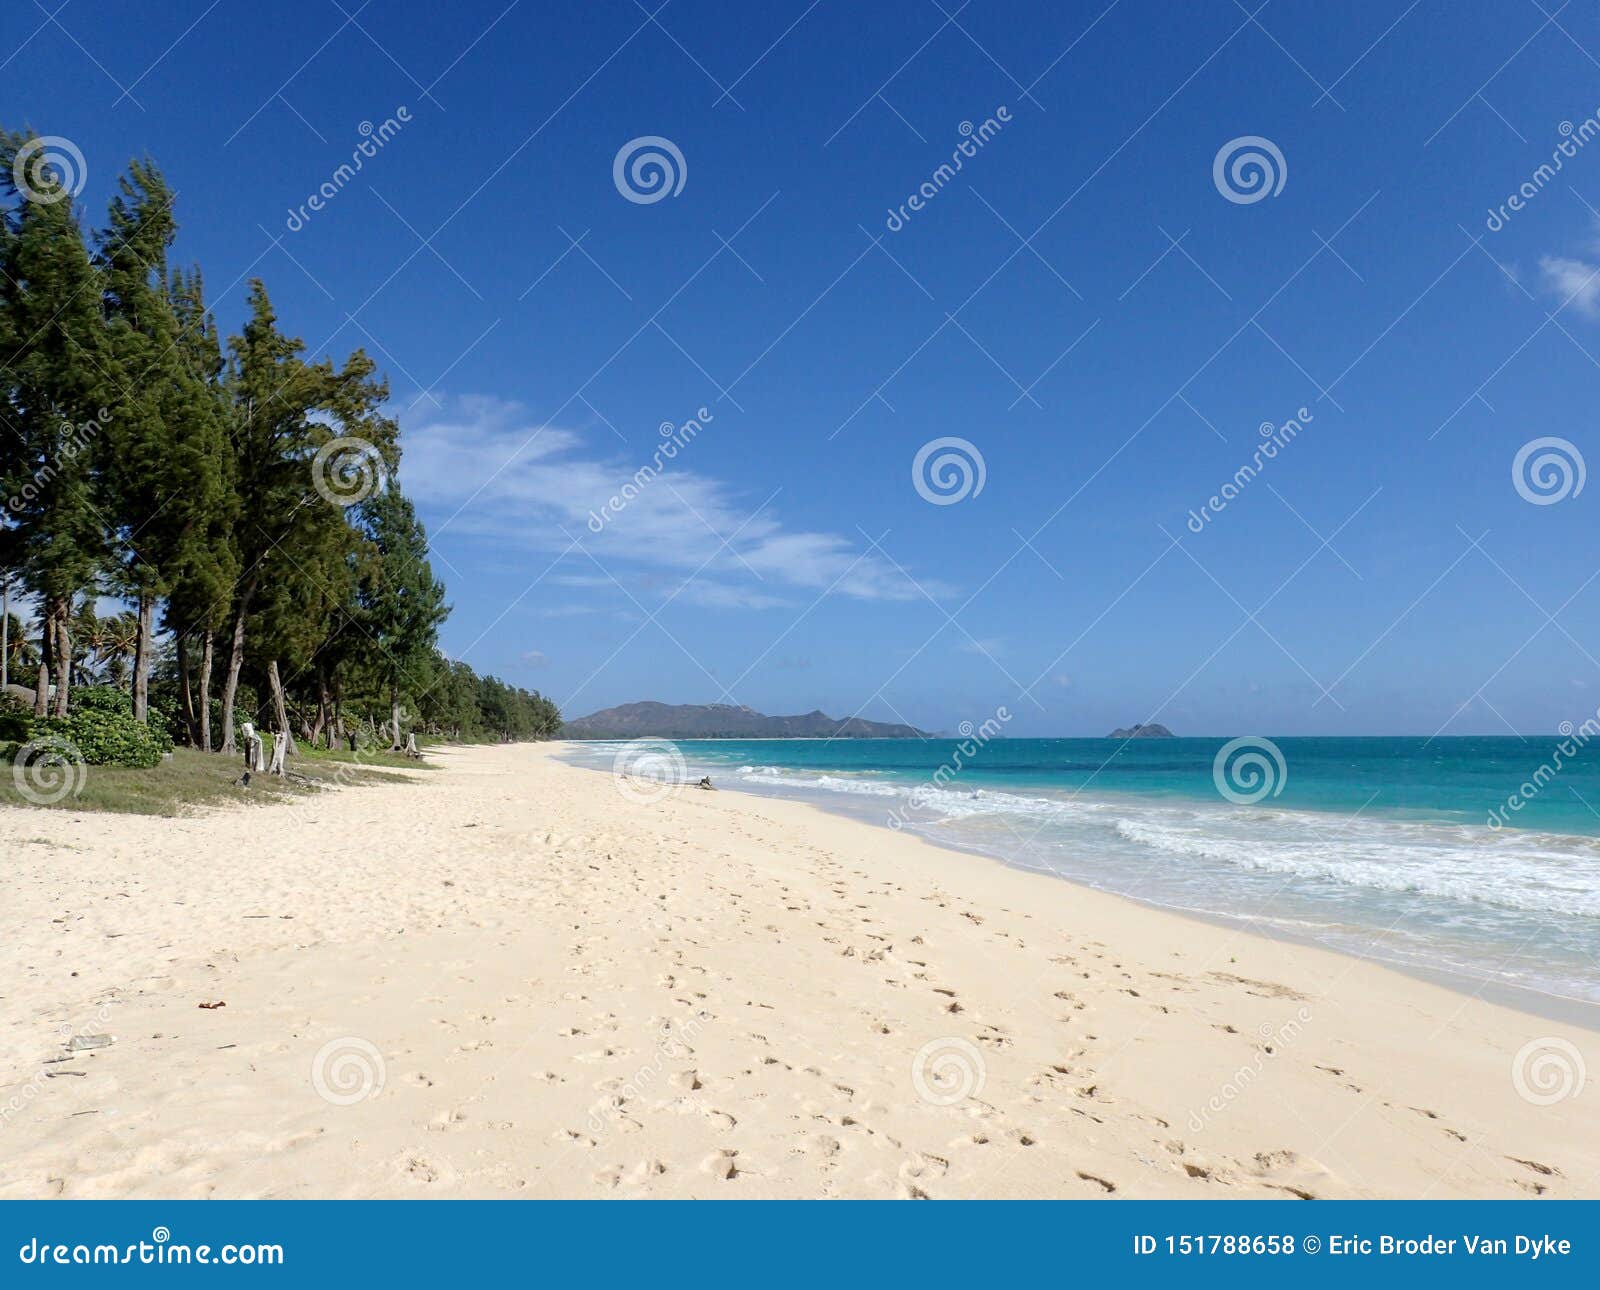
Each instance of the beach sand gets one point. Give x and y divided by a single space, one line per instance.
507 979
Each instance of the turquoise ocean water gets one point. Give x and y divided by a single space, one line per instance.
1406 850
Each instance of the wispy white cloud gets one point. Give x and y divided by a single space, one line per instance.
1574 280
566 611
483 467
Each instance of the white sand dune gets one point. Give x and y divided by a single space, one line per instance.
507 980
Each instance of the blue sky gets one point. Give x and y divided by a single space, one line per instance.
1081 303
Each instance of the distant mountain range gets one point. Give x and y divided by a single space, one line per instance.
724 721
1155 730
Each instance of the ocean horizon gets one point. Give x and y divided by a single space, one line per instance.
1474 858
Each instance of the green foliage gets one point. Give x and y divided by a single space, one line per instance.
16 720
111 700
107 738
102 698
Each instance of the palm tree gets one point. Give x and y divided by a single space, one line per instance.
88 636
118 640
22 655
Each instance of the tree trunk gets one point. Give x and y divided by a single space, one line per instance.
47 656
324 703
336 730
141 659
280 709
207 655
394 718
63 617
230 686
185 687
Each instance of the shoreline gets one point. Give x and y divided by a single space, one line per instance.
1531 1000
508 979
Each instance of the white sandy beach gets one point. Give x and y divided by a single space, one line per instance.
505 979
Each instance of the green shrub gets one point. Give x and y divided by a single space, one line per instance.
102 698
111 700
16 720
107 738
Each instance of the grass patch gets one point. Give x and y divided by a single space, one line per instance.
195 779
309 757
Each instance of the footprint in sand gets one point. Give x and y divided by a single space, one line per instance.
721 1164
922 1167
